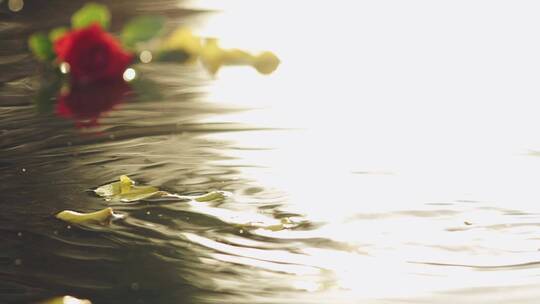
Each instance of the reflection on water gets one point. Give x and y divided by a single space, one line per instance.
398 137
85 103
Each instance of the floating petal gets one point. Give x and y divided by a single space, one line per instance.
126 191
284 223
266 63
184 40
78 218
211 197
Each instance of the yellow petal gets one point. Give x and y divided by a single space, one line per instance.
277 227
126 191
139 193
212 56
211 196
284 223
77 217
236 56
266 63
108 190
183 39
125 184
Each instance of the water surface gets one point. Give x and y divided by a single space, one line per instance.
401 138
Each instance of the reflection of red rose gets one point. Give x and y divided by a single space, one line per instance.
85 103
92 54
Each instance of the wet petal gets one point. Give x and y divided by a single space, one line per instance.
125 184
139 193
125 190
284 223
183 39
78 218
211 197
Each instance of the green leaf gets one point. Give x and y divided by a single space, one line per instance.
56 33
91 13
41 46
141 29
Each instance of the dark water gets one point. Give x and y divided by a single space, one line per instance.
429 202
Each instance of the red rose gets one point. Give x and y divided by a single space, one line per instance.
85 103
92 54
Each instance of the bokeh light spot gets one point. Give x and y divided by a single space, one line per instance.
64 67
129 74
145 56
15 5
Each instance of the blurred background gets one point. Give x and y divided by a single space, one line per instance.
400 138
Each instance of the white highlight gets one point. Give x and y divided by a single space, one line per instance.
64 67
130 74
73 300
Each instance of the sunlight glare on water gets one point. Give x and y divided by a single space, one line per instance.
451 104
409 119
